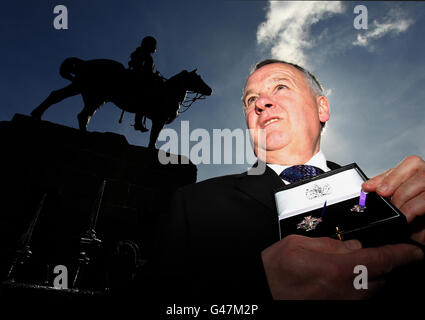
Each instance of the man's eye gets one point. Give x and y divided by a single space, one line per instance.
251 100
281 86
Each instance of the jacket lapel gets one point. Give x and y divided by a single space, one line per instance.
332 165
262 187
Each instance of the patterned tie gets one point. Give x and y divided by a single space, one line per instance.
300 172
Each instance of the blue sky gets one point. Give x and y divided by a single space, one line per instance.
374 78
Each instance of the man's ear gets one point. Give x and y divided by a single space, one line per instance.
323 104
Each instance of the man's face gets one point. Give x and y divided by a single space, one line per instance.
277 98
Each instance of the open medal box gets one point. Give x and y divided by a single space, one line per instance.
333 205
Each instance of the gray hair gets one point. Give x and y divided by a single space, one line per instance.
315 86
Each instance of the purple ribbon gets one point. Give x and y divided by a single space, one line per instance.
323 210
362 200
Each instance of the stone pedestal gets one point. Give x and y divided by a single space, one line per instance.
69 166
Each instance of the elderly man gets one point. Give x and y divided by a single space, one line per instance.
221 239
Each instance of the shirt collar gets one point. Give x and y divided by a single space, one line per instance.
318 160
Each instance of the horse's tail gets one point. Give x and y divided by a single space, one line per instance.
69 68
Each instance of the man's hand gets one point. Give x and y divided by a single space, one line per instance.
405 184
299 267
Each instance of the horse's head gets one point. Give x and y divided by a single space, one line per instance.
194 83
178 86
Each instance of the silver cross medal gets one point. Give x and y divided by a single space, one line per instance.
309 223
362 203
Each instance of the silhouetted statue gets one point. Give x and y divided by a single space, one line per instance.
101 80
141 61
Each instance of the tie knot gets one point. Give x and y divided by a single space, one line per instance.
300 172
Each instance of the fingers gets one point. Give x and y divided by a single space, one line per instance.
405 184
413 208
409 188
382 260
372 184
324 245
328 245
394 178
418 237
303 267
417 230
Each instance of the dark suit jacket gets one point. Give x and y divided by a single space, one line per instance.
211 244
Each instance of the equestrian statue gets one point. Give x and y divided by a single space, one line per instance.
136 90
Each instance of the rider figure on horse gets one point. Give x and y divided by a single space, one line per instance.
141 61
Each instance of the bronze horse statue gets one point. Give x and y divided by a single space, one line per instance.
101 80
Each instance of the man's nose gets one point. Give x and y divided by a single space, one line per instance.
262 103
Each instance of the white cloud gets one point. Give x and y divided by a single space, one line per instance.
394 23
287 28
